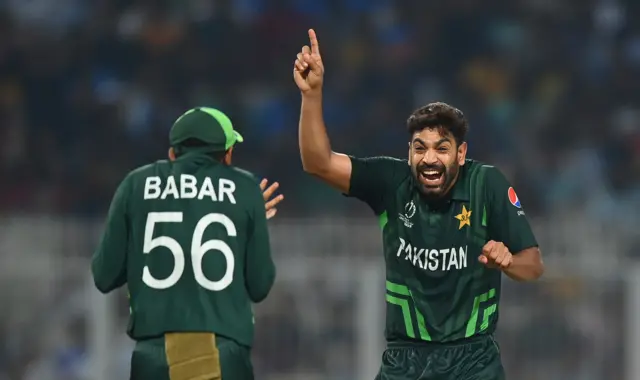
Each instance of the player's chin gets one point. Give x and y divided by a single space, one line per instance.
433 192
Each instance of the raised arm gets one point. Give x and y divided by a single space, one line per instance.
315 149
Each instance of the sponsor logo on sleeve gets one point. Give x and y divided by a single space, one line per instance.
513 197
515 201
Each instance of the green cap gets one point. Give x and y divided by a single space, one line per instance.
208 125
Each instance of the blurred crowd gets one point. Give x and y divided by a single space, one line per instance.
89 90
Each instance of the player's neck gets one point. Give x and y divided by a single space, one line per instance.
198 157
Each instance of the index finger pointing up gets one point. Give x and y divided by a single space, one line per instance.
315 47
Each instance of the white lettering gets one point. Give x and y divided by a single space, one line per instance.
408 250
227 187
207 190
170 188
152 188
417 253
433 259
462 253
400 248
453 260
188 186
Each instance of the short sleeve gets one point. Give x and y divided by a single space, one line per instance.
507 222
374 178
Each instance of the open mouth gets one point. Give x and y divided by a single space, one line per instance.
431 177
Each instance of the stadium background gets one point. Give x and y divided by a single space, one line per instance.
88 90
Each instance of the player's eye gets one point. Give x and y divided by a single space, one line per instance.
443 149
419 149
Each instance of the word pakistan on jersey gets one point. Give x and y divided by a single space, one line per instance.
432 259
187 187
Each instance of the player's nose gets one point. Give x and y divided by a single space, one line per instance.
430 157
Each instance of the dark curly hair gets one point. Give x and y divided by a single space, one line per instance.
439 116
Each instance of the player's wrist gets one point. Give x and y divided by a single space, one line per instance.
314 95
525 266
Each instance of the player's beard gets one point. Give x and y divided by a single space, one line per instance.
437 192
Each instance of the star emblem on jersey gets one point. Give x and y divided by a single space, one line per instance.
464 217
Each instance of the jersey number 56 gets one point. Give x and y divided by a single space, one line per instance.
198 250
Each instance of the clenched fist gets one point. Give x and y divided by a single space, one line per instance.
496 255
308 70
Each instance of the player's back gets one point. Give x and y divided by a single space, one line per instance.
197 231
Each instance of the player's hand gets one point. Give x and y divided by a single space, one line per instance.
496 255
267 193
308 70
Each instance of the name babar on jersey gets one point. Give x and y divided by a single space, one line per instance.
442 256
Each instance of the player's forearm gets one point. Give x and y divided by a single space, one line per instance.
260 270
259 287
315 148
109 262
261 275
108 274
527 265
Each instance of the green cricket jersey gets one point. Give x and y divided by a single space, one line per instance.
190 240
436 290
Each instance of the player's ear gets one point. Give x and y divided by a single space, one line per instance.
227 156
409 153
172 154
462 153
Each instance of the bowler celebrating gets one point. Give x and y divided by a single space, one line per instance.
450 225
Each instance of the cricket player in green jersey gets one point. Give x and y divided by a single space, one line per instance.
188 236
450 225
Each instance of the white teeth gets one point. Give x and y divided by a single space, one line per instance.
430 172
